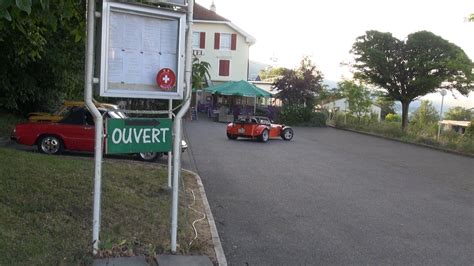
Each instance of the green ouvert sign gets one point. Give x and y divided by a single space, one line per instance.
138 135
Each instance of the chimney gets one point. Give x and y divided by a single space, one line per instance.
213 7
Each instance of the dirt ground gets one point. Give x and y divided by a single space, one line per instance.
202 243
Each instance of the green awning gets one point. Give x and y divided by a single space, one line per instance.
238 88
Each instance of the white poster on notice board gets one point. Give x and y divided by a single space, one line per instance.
138 42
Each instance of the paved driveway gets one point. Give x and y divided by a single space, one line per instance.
334 197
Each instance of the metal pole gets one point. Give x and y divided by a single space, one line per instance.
255 105
170 154
345 112
196 103
440 116
178 128
89 79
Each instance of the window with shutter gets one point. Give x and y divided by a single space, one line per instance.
196 40
217 40
224 68
199 40
233 45
202 40
225 41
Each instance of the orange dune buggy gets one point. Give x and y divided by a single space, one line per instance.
258 127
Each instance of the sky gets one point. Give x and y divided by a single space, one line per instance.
325 30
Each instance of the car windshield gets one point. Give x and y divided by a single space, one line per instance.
62 111
117 115
265 121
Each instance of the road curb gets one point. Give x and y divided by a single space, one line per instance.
220 256
406 142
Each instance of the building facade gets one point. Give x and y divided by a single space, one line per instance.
222 44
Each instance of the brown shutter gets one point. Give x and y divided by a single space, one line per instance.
221 67
217 40
224 68
202 40
227 68
233 44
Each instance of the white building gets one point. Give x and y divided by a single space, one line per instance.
456 126
222 44
343 105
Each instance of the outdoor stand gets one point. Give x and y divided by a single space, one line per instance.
114 83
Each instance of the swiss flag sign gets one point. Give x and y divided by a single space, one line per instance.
165 79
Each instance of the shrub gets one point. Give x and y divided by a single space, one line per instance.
301 116
318 119
389 129
344 120
393 118
470 131
428 130
416 133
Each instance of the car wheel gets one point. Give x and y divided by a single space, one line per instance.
287 134
264 136
231 136
150 156
50 145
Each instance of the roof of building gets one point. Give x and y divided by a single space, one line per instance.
342 99
204 15
456 123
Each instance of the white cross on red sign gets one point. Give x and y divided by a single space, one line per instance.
165 79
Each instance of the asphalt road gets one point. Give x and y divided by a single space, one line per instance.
334 197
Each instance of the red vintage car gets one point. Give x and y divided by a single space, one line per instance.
75 132
258 127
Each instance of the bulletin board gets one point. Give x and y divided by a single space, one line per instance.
138 42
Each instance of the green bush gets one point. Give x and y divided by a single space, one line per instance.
428 130
466 144
416 133
389 129
393 118
318 119
7 123
343 119
470 131
301 116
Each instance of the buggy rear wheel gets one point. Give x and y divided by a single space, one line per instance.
287 134
264 137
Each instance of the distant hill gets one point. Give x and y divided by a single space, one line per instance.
330 83
255 67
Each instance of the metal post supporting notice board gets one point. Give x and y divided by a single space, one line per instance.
89 79
170 165
178 128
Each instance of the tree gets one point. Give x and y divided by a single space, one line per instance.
300 86
31 21
411 68
358 98
200 72
387 106
271 73
327 95
42 56
458 113
393 118
425 114
471 17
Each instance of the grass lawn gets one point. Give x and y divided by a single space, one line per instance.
46 210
